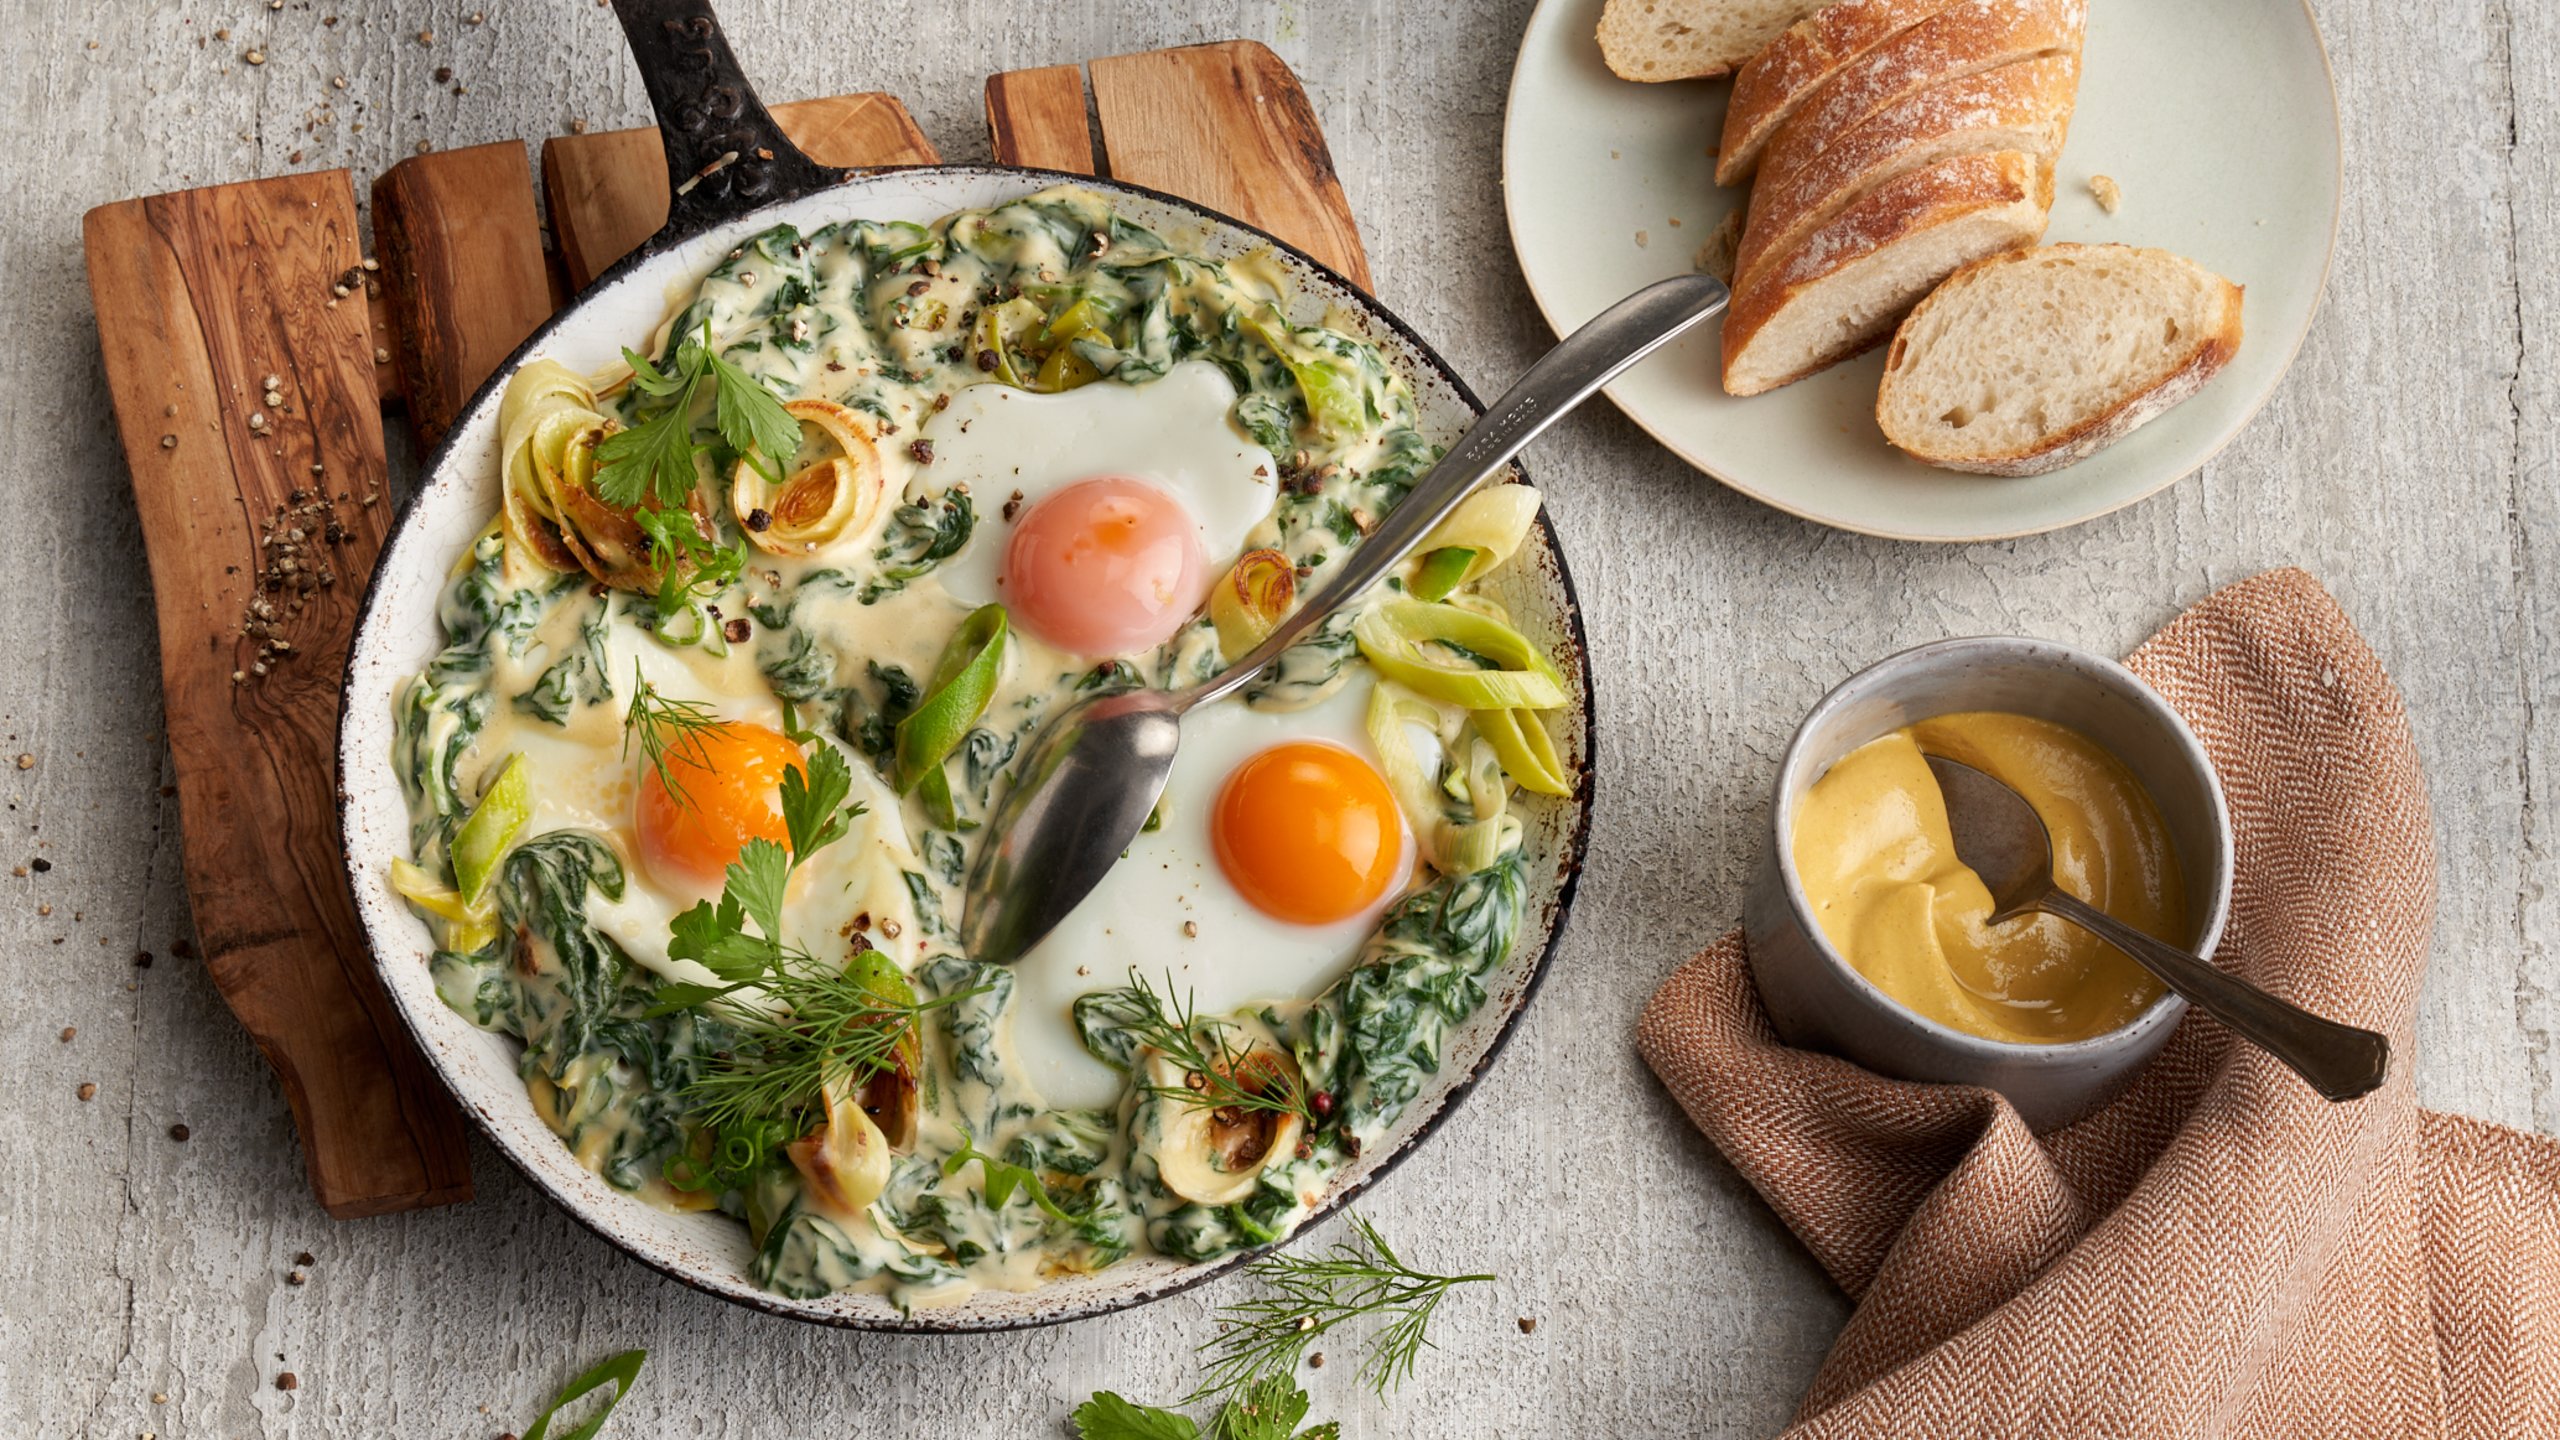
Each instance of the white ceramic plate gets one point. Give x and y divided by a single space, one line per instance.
2216 116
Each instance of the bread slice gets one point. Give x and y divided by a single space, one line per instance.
2025 106
2025 363
1842 289
1963 39
1794 65
1686 39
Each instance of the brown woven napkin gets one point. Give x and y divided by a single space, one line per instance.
2219 1252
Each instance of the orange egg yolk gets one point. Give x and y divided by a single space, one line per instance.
1104 567
1308 832
714 790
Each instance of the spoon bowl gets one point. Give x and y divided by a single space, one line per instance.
2001 838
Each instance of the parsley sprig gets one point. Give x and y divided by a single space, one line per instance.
1269 1409
654 458
1311 1295
1218 1073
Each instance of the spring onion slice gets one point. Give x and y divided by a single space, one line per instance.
619 1372
1492 522
1433 649
964 682
492 827
1520 740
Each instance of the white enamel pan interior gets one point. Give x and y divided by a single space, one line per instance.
398 633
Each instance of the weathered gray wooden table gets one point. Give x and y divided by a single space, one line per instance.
2408 462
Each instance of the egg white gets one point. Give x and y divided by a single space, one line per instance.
1173 432
584 779
1234 955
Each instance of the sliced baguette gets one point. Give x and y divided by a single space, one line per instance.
1963 39
1842 289
1688 39
1794 65
2025 363
2025 106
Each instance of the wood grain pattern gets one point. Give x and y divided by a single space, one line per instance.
608 192
202 295
1228 125
1037 117
461 253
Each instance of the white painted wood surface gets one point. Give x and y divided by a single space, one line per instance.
2409 461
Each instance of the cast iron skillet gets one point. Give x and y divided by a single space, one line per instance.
733 174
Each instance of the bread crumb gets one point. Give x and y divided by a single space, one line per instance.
2109 194
1716 257
1643 238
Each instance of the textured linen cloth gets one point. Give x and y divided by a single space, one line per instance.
2219 1251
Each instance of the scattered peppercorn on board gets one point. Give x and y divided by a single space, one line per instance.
251 348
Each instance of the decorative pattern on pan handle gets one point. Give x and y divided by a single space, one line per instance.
725 154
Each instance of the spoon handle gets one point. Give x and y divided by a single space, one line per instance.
1562 379
2341 1061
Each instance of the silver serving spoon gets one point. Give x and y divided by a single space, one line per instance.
1091 777
2001 838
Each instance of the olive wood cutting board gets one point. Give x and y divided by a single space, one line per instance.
263 518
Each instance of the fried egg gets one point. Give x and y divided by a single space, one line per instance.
674 851
1104 512
1279 847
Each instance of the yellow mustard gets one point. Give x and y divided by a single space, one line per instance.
1876 861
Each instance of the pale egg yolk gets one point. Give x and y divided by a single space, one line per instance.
1308 832
726 790
1104 567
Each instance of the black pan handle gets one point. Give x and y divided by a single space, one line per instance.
725 154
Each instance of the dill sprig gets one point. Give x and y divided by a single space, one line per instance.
1217 1074
826 1028
664 727
1312 1295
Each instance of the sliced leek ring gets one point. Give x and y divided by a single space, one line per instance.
1249 601
546 408
1492 522
1216 1155
1419 645
830 497
845 1162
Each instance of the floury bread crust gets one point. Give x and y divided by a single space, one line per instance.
1844 62
1842 289
2025 106
2020 364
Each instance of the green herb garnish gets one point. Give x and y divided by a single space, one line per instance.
663 727
1002 1179
1216 1073
620 1371
654 458
691 568
1269 1409
1312 1295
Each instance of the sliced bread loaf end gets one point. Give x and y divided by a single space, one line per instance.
2025 363
1687 39
1840 290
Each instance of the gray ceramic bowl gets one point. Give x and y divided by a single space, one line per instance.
1819 1001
